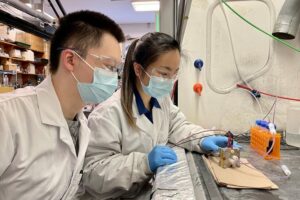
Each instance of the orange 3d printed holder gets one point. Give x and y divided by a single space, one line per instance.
261 141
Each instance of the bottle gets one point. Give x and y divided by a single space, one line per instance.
5 80
293 126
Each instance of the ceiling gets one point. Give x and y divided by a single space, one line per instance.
119 10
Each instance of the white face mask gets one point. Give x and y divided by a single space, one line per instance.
103 86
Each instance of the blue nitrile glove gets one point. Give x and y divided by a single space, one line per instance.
213 143
160 156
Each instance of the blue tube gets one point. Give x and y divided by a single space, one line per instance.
265 124
262 123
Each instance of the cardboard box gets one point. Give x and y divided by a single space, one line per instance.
6 89
23 37
37 43
46 49
10 67
7 33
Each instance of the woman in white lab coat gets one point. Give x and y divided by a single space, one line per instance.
129 131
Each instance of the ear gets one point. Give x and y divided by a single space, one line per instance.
137 69
68 59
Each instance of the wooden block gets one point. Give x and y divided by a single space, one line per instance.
6 89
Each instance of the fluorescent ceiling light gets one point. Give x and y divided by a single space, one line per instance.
151 5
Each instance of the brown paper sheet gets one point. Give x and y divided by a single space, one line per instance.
243 177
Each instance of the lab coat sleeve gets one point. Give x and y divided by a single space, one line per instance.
180 129
6 142
108 173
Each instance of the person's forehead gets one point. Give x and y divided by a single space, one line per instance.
168 61
108 47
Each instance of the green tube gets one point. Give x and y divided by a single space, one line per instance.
259 29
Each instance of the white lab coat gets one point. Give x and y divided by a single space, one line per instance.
37 154
116 162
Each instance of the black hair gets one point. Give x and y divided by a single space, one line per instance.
144 51
81 30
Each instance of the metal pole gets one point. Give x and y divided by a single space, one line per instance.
22 7
53 8
61 7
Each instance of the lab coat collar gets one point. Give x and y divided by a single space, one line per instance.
151 129
51 114
49 105
84 133
140 104
135 110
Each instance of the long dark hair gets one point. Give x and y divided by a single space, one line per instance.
144 51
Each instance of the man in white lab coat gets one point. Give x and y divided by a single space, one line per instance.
43 132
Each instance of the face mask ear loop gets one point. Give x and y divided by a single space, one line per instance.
84 61
74 77
145 72
142 82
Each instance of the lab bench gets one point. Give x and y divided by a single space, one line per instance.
205 188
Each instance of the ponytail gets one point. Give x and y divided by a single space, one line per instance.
128 83
144 51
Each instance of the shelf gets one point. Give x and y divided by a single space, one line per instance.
7 72
21 73
19 47
37 51
4 57
30 74
21 60
8 43
29 61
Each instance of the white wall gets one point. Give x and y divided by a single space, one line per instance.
138 29
135 31
236 110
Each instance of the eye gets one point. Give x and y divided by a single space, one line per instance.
112 68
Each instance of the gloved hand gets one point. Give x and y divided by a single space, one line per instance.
213 143
160 156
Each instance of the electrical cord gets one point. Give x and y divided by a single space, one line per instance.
274 110
186 140
270 110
